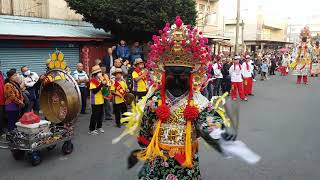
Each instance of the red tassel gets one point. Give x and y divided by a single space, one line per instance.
163 112
163 88
191 112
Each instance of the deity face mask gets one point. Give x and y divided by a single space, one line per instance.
177 80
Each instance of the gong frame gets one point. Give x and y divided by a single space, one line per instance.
70 79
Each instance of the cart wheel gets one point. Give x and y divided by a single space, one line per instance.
50 148
17 154
35 158
67 147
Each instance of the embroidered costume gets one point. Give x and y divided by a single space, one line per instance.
302 65
172 116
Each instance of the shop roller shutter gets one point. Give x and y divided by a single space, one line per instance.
34 58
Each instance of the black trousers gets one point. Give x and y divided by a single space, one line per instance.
119 109
2 119
226 85
217 86
272 69
84 95
96 117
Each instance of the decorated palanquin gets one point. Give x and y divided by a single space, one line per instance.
303 54
168 126
316 58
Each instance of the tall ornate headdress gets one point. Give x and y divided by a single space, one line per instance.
305 33
179 45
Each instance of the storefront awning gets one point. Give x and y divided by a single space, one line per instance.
30 28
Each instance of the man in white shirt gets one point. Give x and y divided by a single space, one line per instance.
82 79
30 82
217 67
236 72
247 76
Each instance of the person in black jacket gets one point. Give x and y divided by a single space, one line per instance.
108 60
273 65
226 81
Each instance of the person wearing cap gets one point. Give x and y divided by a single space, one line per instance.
139 76
247 76
13 98
119 90
217 67
236 72
82 79
96 100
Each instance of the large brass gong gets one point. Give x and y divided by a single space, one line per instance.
60 97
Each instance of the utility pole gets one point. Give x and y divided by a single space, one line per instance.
237 28
12 9
242 29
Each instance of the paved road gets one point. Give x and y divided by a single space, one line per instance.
281 123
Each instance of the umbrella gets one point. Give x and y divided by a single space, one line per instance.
283 50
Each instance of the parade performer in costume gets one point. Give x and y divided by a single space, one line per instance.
119 90
236 73
247 76
173 114
316 59
139 76
303 57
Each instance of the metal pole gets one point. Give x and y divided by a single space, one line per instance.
237 27
242 29
12 10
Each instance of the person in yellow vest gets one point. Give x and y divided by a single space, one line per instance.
119 90
139 76
97 101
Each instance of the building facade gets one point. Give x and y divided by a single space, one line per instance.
210 22
50 9
31 29
258 31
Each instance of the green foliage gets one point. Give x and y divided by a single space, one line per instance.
134 19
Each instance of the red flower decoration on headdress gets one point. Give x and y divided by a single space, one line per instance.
178 22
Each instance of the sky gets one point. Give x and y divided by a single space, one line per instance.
299 11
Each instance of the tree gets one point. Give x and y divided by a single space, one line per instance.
134 19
